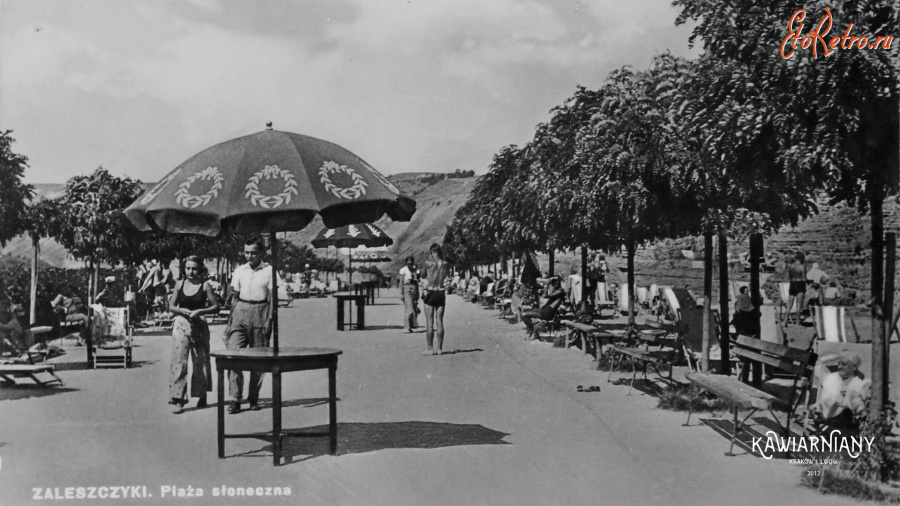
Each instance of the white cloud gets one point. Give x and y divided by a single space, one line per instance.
407 84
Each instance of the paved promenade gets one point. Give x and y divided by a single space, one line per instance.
496 421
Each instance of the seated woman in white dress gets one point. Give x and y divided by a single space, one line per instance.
843 393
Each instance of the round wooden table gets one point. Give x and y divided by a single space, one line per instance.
285 360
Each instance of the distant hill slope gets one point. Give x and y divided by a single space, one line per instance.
436 203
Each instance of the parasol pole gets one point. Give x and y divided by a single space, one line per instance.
274 297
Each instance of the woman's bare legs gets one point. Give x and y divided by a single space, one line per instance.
434 326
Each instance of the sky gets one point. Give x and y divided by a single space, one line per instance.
408 85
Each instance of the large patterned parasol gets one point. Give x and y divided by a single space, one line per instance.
352 236
270 181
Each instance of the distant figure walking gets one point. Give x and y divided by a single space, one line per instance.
409 293
192 298
436 274
797 278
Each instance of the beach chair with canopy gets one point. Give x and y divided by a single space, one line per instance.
110 337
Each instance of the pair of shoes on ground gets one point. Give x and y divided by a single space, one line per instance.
593 388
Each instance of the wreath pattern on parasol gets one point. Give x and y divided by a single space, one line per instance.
356 190
184 197
152 194
270 201
377 175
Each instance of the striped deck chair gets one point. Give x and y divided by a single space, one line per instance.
830 323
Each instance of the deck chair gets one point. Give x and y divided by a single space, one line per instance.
735 289
830 323
487 297
110 337
668 294
653 292
643 296
816 425
623 300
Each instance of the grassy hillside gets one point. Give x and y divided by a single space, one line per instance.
435 206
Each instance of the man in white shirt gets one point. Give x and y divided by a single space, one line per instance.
251 318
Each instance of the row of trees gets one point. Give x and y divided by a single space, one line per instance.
736 142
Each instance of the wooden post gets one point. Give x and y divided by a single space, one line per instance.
630 281
36 245
724 316
273 297
707 298
756 256
879 346
890 269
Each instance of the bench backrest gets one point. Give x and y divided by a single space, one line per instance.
794 361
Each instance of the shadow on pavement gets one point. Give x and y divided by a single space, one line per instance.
30 391
370 437
266 403
82 366
384 327
454 352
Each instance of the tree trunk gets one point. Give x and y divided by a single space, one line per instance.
879 372
552 267
630 281
723 302
36 245
756 255
707 298
891 263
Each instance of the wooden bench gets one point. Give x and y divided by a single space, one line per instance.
38 373
666 352
586 333
797 363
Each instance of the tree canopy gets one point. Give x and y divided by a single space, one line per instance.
14 193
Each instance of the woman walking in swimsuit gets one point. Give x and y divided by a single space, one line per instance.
192 298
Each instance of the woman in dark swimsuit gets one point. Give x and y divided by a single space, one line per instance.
797 279
192 298
555 296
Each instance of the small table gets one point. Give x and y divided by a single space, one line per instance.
366 289
286 360
360 301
